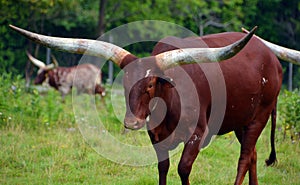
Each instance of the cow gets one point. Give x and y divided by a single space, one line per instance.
158 93
88 77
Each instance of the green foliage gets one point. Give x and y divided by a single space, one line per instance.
47 17
289 113
28 107
278 22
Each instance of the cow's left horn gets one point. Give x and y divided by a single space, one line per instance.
79 46
283 53
177 57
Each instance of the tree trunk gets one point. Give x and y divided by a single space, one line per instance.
101 20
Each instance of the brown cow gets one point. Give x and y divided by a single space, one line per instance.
63 78
183 101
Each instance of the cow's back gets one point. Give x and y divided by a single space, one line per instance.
252 77
86 77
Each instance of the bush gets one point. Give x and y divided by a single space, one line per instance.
289 113
29 108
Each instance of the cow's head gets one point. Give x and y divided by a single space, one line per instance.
43 68
144 78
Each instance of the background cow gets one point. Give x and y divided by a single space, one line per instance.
252 79
86 78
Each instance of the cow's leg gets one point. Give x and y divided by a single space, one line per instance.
63 95
252 170
248 138
64 90
163 168
163 165
189 154
239 134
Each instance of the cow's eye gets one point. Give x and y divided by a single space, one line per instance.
150 86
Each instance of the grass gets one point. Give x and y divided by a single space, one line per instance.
43 143
61 156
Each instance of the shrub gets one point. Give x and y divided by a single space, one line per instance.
29 108
289 113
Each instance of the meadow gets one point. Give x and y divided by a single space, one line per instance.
43 142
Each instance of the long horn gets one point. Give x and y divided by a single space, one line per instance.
39 63
178 57
283 53
79 46
35 61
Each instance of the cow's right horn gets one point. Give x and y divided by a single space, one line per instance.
35 61
184 56
79 46
39 63
283 53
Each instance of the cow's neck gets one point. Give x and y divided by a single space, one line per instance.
52 78
162 130
58 75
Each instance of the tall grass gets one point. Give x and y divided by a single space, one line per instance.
30 109
41 143
289 114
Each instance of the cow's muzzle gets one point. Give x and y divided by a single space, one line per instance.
134 123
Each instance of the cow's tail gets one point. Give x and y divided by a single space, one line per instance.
272 158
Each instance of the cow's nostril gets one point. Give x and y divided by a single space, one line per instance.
134 124
130 123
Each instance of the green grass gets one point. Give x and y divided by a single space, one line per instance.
42 143
60 156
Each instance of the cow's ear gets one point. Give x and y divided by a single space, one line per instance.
167 82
